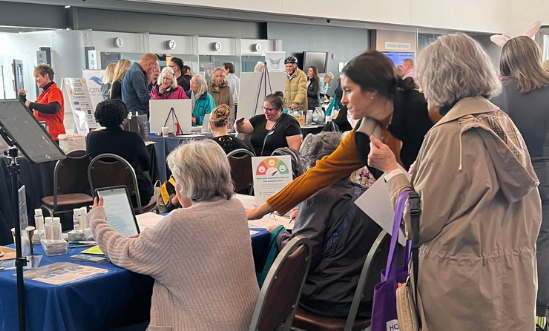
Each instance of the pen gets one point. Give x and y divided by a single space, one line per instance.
84 242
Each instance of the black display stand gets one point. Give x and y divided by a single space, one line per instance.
175 121
23 132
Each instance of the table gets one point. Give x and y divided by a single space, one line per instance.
38 181
314 129
115 299
165 145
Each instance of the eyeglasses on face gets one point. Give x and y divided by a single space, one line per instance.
268 109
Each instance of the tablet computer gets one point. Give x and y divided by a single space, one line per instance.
119 210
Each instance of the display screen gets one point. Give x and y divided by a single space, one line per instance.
31 138
119 210
317 59
398 57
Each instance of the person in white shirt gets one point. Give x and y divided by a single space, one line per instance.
234 83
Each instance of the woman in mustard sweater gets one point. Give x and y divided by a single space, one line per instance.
369 86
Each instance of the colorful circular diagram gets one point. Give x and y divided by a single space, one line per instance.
272 167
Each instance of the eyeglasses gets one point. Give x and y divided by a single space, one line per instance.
268 109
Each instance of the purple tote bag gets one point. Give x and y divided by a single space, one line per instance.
384 312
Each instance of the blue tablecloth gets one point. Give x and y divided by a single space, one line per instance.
115 299
164 145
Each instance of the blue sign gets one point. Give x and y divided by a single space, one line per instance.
398 57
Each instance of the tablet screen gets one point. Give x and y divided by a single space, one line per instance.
119 210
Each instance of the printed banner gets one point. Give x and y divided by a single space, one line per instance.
275 61
75 91
94 80
271 174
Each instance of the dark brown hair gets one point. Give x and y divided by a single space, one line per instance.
276 100
229 66
44 69
373 71
315 73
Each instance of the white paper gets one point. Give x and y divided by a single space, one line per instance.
94 80
269 220
63 272
248 201
76 95
376 203
148 220
271 174
252 232
275 61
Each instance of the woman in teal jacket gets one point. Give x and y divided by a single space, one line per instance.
202 101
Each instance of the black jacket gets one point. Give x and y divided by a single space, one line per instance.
313 96
131 147
333 274
409 124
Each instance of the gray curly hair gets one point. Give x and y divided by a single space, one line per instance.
317 146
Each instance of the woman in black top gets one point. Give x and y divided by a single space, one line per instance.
129 145
313 88
219 119
272 130
119 71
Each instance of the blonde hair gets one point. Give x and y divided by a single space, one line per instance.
201 84
545 65
455 67
220 116
120 69
259 67
173 85
202 170
109 73
521 59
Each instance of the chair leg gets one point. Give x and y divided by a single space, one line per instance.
50 211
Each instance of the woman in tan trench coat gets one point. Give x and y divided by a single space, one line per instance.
481 210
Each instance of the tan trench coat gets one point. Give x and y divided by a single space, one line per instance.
296 90
481 215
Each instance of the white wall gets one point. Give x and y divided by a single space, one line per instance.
467 15
523 13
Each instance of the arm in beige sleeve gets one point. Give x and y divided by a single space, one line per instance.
148 254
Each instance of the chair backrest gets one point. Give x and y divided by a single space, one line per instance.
112 170
241 169
70 174
281 291
370 276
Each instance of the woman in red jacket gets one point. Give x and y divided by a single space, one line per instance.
49 106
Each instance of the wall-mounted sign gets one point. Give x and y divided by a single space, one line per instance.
397 46
118 42
216 46
170 44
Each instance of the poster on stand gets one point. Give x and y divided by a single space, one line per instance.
275 61
75 92
271 174
94 80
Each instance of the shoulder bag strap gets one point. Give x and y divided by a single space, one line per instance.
415 213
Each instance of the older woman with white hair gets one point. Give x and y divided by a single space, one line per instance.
203 266
202 101
167 87
325 85
221 92
480 208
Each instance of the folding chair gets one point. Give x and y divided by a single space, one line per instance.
241 169
370 276
280 293
112 170
70 185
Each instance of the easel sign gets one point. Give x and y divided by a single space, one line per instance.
257 86
75 90
275 61
271 174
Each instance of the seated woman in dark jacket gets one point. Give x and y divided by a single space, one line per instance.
219 119
335 268
129 145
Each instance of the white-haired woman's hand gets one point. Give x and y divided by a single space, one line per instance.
381 157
